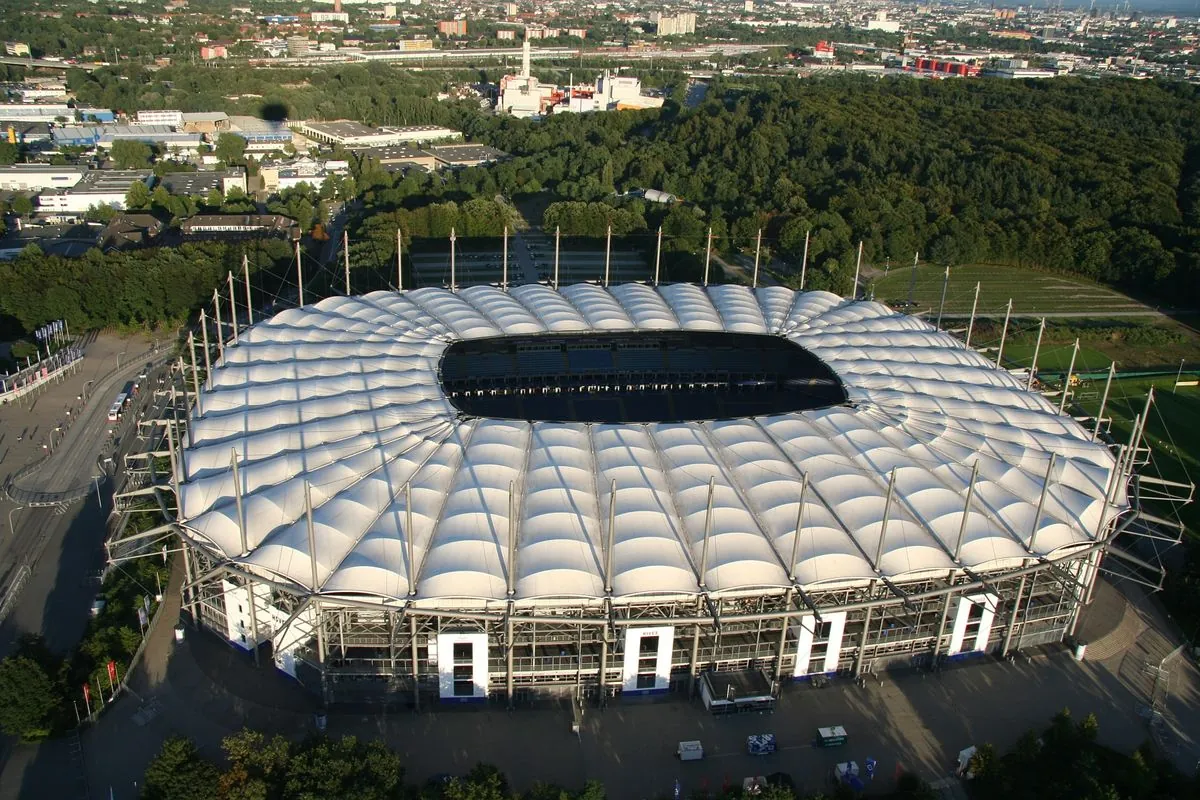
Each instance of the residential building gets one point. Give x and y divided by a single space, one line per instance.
299 46
680 24
330 16
506 34
96 188
16 49
452 27
212 51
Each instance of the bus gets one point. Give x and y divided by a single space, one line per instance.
114 411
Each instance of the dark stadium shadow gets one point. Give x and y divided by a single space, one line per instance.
985 700
55 603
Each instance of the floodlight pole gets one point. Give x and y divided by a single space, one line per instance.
1062 403
974 308
1112 370
962 525
658 256
1037 517
232 306
1037 346
557 238
942 305
246 277
512 541
204 341
241 514
400 259
312 558
1003 334
607 254
707 532
409 540
757 255
346 258
608 546
220 335
504 263
799 527
708 255
195 377
912 281
453 274
857 270
1141 430
803 259
887 510
299 274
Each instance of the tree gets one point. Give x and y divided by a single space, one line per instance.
138 196
21 205
178 772
9 153
102 213
129 154
28 698
231 148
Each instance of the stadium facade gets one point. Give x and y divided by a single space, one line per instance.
446 496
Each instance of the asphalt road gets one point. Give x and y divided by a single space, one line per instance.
64 545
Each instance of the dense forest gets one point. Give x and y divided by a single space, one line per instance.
1099 178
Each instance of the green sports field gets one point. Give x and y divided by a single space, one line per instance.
1032 291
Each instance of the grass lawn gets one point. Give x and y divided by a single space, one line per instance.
1171 433
1032 291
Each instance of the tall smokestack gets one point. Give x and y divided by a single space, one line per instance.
337 6
525 70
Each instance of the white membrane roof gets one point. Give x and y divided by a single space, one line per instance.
413 500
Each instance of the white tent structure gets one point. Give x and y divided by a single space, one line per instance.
336 501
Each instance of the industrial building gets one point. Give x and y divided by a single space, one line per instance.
523 95
199 184
38 177
483 494
163 137
354 134
262 135
173 118
465 155
96 188
289 174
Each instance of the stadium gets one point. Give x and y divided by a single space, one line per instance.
433 496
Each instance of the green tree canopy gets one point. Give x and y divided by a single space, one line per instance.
231 148
178 772
129 154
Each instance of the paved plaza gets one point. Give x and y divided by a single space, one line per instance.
905 722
